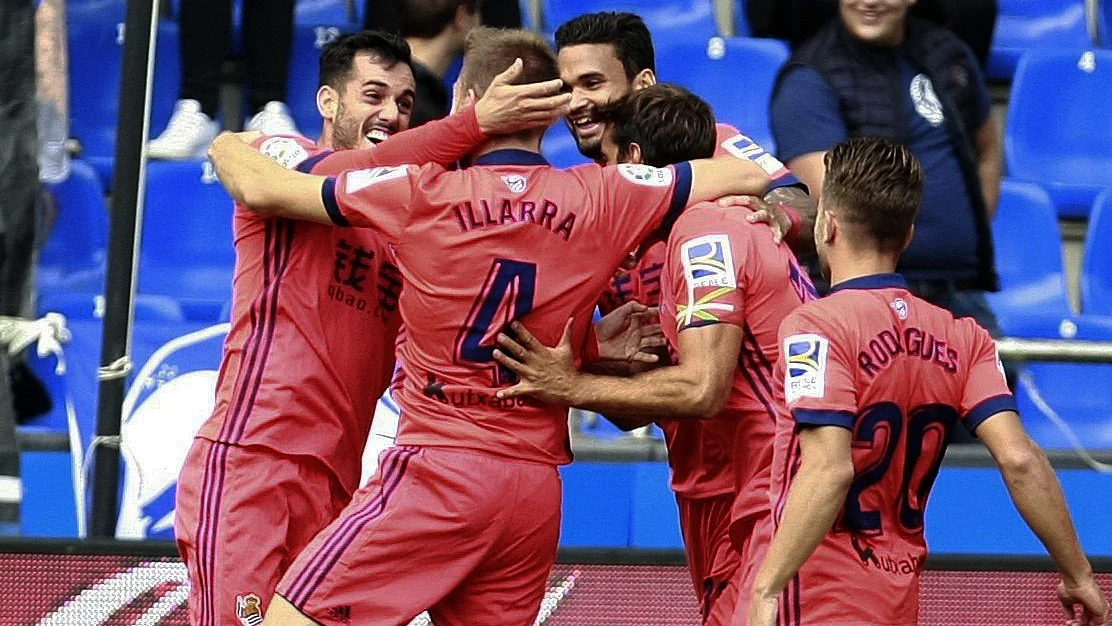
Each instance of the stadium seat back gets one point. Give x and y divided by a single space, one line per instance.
1028 253
187 250
1096 266
314 12
74 254
735 75
1022 25
691 18
559 147
96 37
1058 132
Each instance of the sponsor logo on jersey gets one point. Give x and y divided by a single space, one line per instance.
805 375
285 151
899 305
361 179
646 174
515 182
249 610
708 261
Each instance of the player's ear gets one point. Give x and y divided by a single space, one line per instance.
327 102
633 153
830 228
644 78
908 238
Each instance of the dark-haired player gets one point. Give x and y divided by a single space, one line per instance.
280 455
725 287
874 378
463 517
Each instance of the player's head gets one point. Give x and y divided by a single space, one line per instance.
876 22
870 197
659 125
430 19
366 89
603 56
489 51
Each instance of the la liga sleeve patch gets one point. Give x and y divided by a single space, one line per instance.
805 375
285 151
646 175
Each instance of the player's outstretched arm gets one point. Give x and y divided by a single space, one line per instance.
726 175
696 388
262 185
1038 497
817 493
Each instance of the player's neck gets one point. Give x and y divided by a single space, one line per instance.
848 265
529 143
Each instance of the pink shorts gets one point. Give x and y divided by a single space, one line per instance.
705 523
243 513
468 536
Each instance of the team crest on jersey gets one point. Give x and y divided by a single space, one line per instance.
899 305
805 375
361 179
285 151
515 182
249 610
646 174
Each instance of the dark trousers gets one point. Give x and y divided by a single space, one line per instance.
19 189
206 34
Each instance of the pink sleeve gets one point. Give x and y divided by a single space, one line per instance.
377 198
986 390
704 273
819 382
638 199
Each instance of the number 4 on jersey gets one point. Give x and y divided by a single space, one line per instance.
507 294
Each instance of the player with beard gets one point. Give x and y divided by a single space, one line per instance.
311 346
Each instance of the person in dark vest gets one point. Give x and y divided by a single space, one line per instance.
876 71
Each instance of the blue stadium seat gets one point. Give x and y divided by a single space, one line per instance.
735 75
559 147
73 257
187 251
316 12
1058 132
1028 260
1096 266
1079 393
1022 25
96 53
301 92
741 20
691 18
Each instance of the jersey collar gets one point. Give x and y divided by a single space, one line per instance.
873 281
510 156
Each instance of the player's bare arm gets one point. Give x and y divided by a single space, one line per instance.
1037 495
257 182
696 388
817 493
726 175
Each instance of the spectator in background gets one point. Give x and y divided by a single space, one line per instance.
798 20
206 34
878 72
435 31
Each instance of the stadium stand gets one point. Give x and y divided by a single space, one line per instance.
1028 249
559 147
73 256
1028 24
735 75
301 91
187 249
1064 141
95 34
1096 266
682 18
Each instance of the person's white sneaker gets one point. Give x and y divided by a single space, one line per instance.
274 119
187 136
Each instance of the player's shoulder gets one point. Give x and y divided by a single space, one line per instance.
825 315
287 151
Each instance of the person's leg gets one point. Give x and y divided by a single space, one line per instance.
206 31
268 41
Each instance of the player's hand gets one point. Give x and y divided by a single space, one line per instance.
763 610
506 108
630 333
547 374
1088 596
762 213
